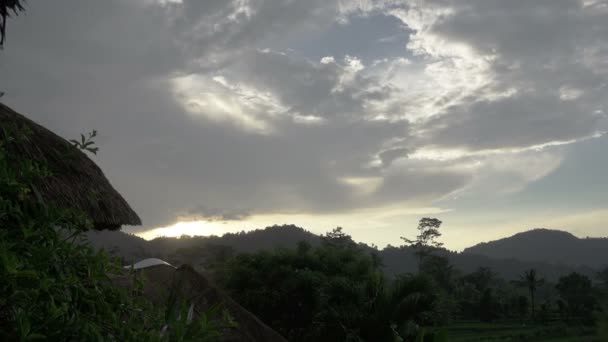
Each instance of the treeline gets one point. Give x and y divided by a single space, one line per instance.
337 291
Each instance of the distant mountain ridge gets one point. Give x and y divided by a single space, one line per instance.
396 260
546 245
283 236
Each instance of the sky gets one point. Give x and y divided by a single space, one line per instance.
219 116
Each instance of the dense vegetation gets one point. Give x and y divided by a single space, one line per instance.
51 287
336 292
470 303
202 251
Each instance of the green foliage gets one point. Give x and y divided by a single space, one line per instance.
602 277
334 292
53 287
482 278
86 143
441 270
515 331
181 326
337 238
487 306
531 281
432 336
577 293
602 325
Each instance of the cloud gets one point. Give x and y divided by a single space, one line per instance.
521 66
209 102
203 213
328 60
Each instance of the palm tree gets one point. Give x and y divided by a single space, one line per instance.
6 8
531 280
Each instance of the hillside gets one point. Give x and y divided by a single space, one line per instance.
203 252
285 236
550 246
399 261
127 246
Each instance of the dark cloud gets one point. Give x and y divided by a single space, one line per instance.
515 122
202 212
388 156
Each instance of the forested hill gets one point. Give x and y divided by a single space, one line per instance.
284 236
208 250
551 246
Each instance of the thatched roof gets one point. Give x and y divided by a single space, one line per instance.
165 285
76 181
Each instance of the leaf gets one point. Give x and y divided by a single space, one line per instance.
35 336
420 336
190 314
441 336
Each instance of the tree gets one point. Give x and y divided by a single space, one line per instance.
487 306
425 243
522 307
440 270
531 280
337 238
8 7
481 278
329 293
602 276
576 291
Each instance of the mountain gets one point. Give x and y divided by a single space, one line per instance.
187 249
550 246
127 246
284 236
203 252
398 261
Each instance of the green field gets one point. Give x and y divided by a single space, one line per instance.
510 331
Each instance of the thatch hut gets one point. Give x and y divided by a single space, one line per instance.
76 181
164 284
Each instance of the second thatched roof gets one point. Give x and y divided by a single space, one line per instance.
76 181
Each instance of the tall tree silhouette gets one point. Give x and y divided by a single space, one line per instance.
577 292
8 7
531 280
425 243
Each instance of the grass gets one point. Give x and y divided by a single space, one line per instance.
515 331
